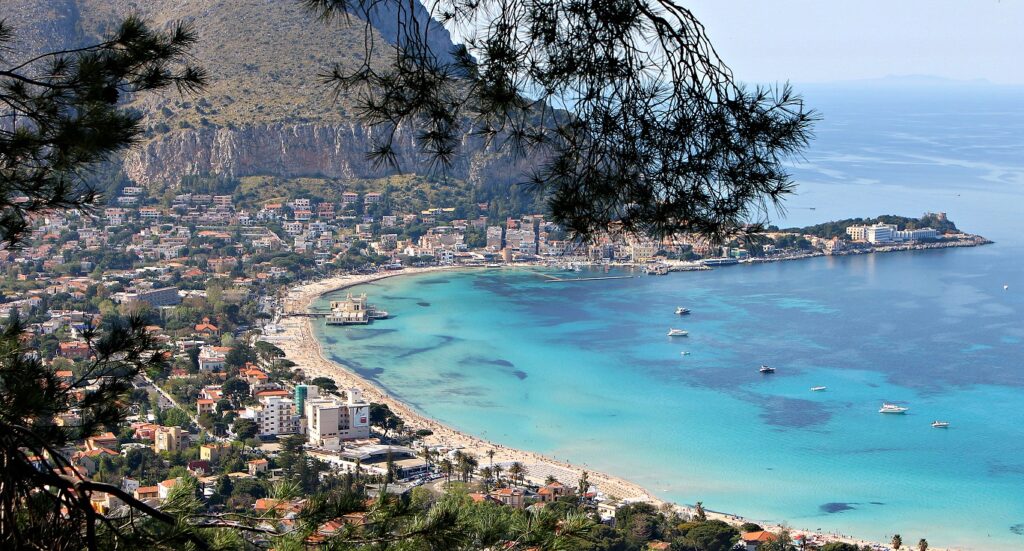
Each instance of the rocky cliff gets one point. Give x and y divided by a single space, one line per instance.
266 110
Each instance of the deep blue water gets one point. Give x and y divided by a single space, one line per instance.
584 371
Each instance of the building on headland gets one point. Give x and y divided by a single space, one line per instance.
330 421
888 233
880 233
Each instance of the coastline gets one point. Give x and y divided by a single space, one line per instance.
301 346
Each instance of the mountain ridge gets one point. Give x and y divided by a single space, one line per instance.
266 110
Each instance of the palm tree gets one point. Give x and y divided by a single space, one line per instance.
447 467
490 456
486 473
516 471
897 541
497 474
583 486
922 545
550 479
698 512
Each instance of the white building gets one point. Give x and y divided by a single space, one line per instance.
881 233
274 415
916 235
330 421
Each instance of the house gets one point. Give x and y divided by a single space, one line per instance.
207 329
551 492
212 452
199 467
513 497
147 492
205 405
754 540
164 488
76 350
105 440
258 466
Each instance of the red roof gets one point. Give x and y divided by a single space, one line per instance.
760 536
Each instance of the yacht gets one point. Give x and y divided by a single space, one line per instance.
818 388
680 311
892 408
766 369
940 424
684 353
677 333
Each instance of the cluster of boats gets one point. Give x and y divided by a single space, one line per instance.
768 370
899 410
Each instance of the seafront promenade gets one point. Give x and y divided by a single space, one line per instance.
300 345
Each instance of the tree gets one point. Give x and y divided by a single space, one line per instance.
325 383
244 429
634 120
516 471
922 545
713 535
175 417
698 512
897 541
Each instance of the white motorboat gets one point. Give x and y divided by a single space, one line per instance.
680 311
684 353
818 388
677 333
892 408
766 369
940 424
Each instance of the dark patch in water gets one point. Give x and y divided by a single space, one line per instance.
1018 529
791 412
330 340
439 281
415 351
520 374
836 507
996 469
364 334
370 373
876 503
453 375
478 360
423 304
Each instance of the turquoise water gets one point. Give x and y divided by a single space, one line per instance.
584 371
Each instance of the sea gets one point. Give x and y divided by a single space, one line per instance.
584 371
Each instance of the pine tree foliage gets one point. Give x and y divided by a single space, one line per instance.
61 112
638 124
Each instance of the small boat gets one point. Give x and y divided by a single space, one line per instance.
766 369
684 353
680 311
818 388
677 333
892 408
940 424
1005 287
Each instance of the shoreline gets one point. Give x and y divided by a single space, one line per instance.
301 346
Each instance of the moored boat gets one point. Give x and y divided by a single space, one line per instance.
677 333
766 369
680 311
892 408
940 424
818 388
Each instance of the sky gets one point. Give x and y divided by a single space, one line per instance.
811 41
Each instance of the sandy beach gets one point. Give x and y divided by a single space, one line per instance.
301 346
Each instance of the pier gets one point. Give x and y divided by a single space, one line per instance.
553 279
